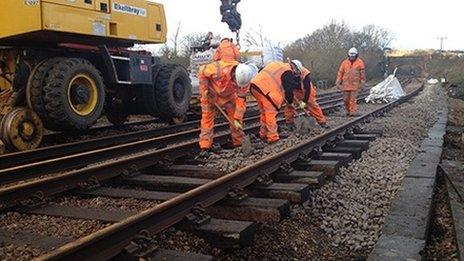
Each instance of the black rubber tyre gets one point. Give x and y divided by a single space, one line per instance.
173 91
34 91
62 80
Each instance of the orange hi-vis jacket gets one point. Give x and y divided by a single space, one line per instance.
269 82
227 51
216 80
351 74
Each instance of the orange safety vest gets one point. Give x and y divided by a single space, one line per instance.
269 82
227 51
216 77
304 72
351 74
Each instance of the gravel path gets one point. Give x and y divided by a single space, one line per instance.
345 217
48 225
352 209
231 160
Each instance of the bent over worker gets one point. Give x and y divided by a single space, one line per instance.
227 51
273 85
220 83
352 77
305 96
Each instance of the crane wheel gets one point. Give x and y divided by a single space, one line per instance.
173 92
35 93
74 94
21 129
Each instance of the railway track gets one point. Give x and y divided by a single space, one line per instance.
31 164
176 206
193 121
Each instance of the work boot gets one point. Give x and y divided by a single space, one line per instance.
216 148
204 154
284 134
272 141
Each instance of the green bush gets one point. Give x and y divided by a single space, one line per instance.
450 67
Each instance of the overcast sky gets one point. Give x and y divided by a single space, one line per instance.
415 24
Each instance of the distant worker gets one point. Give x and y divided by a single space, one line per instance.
273 86
220 85
351 78
305 96
227 51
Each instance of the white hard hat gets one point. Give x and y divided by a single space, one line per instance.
298 64
244 73
353 51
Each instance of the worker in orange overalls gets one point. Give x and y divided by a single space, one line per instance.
221 84
352 77
227 51
305 96
272 87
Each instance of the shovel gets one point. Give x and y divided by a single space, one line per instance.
247 147
303 123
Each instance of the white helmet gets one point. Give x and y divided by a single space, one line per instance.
298 64
244 73
353 52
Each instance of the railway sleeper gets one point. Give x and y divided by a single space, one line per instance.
293 192
220 233
315 179
192 171
248 209
329 167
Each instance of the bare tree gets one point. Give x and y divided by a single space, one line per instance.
324 49
254 37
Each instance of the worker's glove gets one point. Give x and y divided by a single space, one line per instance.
238 125
302 105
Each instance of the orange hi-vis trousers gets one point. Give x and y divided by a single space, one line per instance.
208 114
350 100
268 117
312 107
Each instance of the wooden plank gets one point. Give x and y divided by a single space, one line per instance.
222 233
78 212
192 171
293 192
129 193
252 209
20 238
164 183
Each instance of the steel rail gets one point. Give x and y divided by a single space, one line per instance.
132 156
41 154
108 242
51 161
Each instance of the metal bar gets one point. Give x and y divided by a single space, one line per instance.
25 157
103 149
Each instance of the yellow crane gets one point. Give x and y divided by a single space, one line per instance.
64 63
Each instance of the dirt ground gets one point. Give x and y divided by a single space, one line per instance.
442 242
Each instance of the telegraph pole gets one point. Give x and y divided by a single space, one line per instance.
442 39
